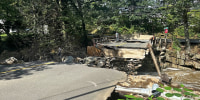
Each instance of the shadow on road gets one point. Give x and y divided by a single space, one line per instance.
77 96
20 70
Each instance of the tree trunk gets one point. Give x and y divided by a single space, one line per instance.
79 10
83 24
186 28
62 22
10 36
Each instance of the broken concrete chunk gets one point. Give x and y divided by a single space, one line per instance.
68 59
162 53
89 60
79 60
101 63
10 61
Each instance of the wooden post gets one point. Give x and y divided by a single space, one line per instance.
154 60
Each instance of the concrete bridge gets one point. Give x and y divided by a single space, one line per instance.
134 47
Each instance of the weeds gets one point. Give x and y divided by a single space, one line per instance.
183 93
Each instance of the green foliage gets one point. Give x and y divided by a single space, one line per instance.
177 89
160 98
150 98
182 85
177 94
185 89
161 85
194 17
182 91
186 99
138 99
130 96
160 90
179 31
169 95
176 44
125 30
168 88
3 35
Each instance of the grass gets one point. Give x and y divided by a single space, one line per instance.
3 36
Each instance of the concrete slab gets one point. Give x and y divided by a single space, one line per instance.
134 45
125 53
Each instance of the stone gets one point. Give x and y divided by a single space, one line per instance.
165 78
188 78
178 54
189 63
162 57
181 61
168 58
89 60
173 65
180 67
79 60
124 84
162 53
68 59
183 56
174 61
165 65
196 65
157 48
163 48
101 63
196 57
161 65
173 54
10 61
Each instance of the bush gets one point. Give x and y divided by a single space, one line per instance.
179 31
176 44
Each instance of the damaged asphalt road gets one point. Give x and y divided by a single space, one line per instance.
59 82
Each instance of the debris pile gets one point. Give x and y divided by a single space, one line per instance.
146 86
139 86
9 61
122 64
128 65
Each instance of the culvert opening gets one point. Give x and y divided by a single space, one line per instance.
115 96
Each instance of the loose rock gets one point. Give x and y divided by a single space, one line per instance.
10 61
68 59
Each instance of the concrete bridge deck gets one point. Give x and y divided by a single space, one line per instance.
132 44
135 48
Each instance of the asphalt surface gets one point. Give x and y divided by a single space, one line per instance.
53 81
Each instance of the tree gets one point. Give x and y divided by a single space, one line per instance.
180 8
11 17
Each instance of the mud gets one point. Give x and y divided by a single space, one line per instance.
187 78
